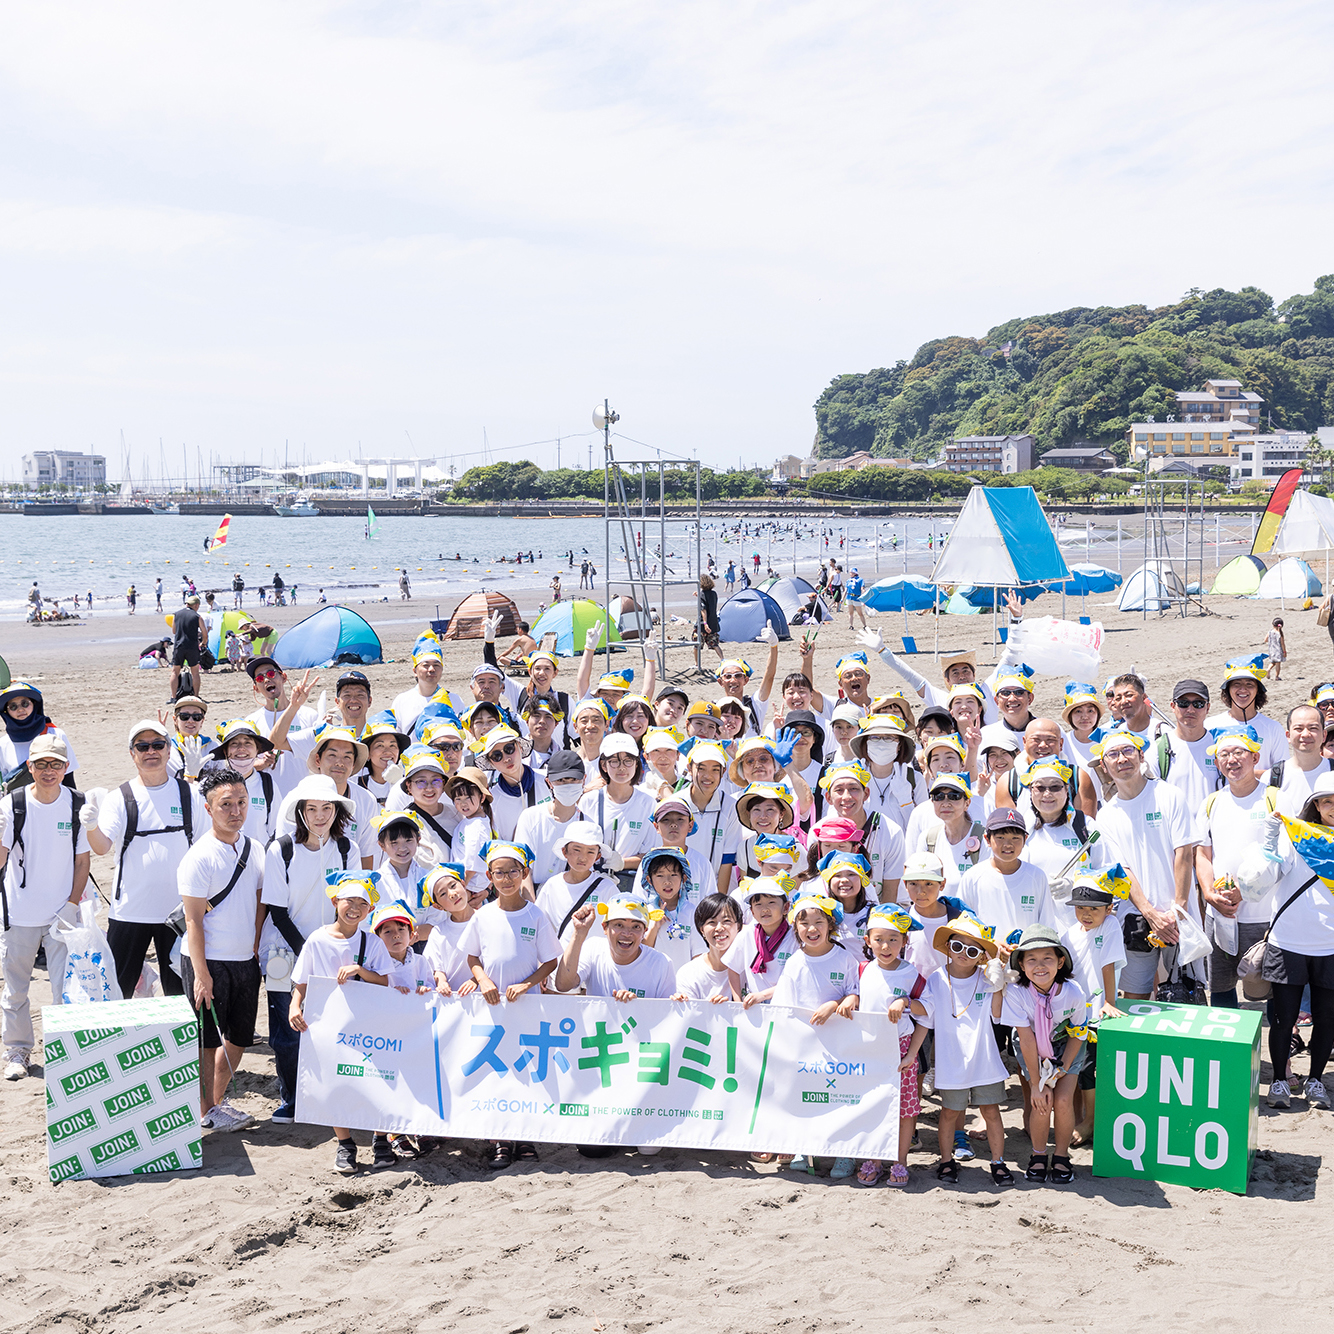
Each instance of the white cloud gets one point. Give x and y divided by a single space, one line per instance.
231 226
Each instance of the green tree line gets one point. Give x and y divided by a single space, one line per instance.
526 481
1088 373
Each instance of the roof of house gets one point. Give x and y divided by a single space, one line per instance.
1082 452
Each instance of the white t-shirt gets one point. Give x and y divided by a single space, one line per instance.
14 754
556 898
264 719
443 951
407 707
145 885
1143 834
741 954
1091 951
506 809
229 929
1192 772
1295 789
625 825
697 980
893 796
677 940
511 945
357 827
325 953
380 791
44 866
958 1011
1050 847
708 840
1008 902
405 887
881 987
1273 736
650 976
543 831
809 980
470 837
302 891
1069 1009
884 850
956 857
1234 824
1307 927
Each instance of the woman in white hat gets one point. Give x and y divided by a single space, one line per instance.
621 809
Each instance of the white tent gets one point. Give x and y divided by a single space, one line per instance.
1292 578
1307 526
1155 586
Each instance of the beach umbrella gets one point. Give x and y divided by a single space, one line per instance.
1085 579
983 595
570 622
902 594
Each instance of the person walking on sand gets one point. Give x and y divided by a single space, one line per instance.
555 588
1278 648
157 592
131 597
404 586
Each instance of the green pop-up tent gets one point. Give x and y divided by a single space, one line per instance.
1240 577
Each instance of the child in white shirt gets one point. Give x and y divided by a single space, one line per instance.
666 884
1050 1016
471 795
443 891
705 977
756 958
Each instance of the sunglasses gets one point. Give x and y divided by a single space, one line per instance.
1012 692
1191 704
449 747
503 752
947 794
1048 789
957 946
191 717
144 746
46 766
266 674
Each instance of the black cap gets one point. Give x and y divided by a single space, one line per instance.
668 691
564 763
352 679
1184 688
1090 895
806 718
1005 817
942 716
256 663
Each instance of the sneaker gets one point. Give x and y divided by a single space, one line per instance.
1316 1095
16 1065
1280 1095
284 1116
241 1120
381 1154
963 1151
216 1118
345 1160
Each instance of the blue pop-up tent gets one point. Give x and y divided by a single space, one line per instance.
743 617
329 636
902 594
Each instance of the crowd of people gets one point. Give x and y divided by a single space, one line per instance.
993 881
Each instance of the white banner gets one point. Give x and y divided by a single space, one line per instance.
587 1070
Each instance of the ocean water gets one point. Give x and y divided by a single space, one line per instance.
66 554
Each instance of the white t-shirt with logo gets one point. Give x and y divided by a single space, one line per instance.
542 831
625 825
650 975
1192 772
302 890
507 809
145 887
44 866
511 945
556 898
1008 902
324 954
810 980
1143 833
1233 824
881 987
442 951
1090 952
709 840
958 1011
229 929
1273 736
697 980
740 958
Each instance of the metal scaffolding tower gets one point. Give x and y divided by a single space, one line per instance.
644 480
1161 532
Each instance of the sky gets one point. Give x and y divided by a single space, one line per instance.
428 229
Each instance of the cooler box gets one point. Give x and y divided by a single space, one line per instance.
1178 1095
122 1087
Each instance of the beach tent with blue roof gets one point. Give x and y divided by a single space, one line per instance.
744 615
330 636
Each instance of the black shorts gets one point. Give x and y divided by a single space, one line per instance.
1286 967
1087 1077
235 998
185 655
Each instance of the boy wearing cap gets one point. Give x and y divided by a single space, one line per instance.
219 881
619 965
675 823
710 804
167 815
543 826
45 870
1004 891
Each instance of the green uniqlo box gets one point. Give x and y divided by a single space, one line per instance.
122 1087
1178 1095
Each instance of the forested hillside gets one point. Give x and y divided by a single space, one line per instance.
1087 373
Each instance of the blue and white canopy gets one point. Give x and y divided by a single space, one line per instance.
1000 539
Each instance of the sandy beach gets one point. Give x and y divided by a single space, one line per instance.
266 1236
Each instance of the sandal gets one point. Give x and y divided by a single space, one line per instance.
503 1157
1061 1170
948 1172
1001 1175
1037 1168
869 1173
524 1152
403 1146
762 1157
898 1175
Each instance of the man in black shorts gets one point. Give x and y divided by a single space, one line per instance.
220 879
185 647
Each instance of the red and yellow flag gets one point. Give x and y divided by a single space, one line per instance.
1274 512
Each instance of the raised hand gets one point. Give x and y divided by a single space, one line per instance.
785 745
871 640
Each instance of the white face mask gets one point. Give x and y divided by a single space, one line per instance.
882 752
567 793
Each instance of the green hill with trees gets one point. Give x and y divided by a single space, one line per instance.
1087 373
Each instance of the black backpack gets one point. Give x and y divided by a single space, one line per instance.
19 798
132 830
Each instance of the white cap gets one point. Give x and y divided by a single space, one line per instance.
147 725
924 866
997 734
583 832
848 712
618 743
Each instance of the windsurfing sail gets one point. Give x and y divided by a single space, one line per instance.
1274 511
372 523
220 537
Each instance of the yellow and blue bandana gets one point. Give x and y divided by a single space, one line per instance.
1114 881
1237 668
1242 732
851 662
890 916
957 781
433 877
948 741
497 849
1115 737
545 655
383 819
616 680
831 908
1020 675
1052 764
624 908
353 885
427 648
850 770
833 862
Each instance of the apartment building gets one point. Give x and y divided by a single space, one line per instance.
989 453
53 467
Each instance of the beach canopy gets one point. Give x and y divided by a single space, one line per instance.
1000 539
4 674
1291 578
465 621
899 594
570 622
958 605
977 596
793 594
1308 525
330 636
743 617
1155 586
1240 577
1085 579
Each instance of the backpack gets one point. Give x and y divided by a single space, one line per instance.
132 830
1271 799
1276 772
19 799
976 832
287 849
